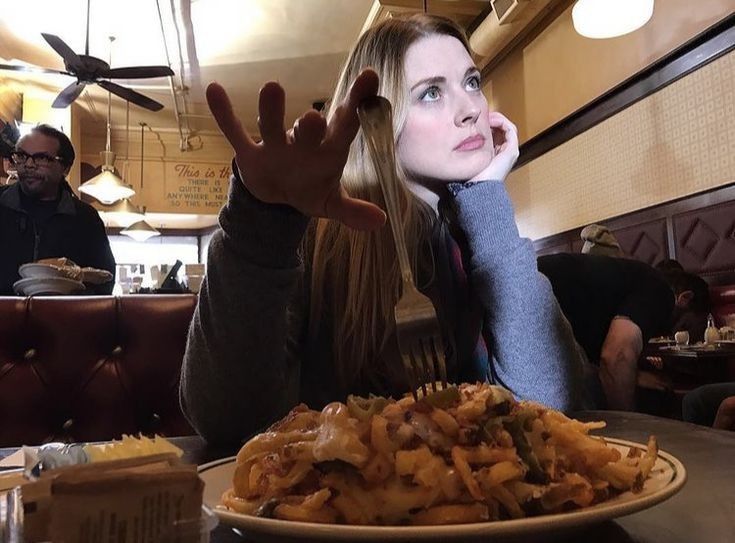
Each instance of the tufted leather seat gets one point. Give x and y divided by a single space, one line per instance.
723 304
85 368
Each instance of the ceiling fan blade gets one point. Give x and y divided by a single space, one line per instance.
31 69
68 95
137 72
71 59
131 95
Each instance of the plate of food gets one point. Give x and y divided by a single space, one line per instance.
463 463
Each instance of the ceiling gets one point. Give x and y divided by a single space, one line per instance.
239 43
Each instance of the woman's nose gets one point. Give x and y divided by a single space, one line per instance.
467 113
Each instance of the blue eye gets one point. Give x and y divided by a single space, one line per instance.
473 83
431 94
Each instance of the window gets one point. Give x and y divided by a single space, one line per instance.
135 259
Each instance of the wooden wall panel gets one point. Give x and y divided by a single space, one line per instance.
705 239
646 241
698 231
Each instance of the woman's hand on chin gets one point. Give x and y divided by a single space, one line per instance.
505 148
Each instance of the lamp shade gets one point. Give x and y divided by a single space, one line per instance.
140 231
107 187
123 213
610 18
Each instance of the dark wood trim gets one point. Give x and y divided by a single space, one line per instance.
713 43
170 232
569 241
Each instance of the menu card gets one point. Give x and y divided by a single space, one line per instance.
154 498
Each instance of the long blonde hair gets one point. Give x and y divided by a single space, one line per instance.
355 277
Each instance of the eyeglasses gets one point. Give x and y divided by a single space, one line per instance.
20 158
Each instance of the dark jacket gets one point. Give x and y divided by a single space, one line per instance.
74 231
594 289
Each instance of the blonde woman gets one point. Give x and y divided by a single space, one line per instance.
302 278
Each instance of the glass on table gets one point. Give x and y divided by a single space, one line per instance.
682 338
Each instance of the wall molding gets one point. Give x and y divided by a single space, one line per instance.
664 227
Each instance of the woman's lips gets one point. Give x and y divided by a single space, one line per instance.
471 144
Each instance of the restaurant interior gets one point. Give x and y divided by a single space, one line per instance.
633 130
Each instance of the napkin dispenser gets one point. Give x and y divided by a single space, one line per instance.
153 498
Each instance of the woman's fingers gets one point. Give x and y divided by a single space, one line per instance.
271 111
352 212
508 130
221 108
309 130
344 123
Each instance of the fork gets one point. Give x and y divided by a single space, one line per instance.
417 326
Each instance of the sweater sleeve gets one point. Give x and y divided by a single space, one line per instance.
536 355
240 372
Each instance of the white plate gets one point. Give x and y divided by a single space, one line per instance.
33 269
667 478
33 286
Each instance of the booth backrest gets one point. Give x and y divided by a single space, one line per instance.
86 368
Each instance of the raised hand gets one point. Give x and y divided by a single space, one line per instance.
505 149
301 168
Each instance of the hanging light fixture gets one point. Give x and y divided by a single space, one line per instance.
106 186
141 230
123 212
610 18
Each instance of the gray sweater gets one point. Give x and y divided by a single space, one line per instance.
245 366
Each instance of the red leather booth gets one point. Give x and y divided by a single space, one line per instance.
723 305
86 368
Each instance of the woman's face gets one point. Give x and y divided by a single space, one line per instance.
446 136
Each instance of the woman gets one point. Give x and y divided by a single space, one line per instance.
302 278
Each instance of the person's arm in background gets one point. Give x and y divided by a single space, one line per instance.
619 363
644 313
725 418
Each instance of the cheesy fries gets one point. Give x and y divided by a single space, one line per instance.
464 454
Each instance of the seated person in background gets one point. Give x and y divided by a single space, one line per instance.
40 217
615 305
8 137
711 405
598 240
692 300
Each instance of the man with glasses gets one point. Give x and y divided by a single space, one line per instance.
40 216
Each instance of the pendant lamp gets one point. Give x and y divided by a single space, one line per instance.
610 18
123 213
141 230
106 186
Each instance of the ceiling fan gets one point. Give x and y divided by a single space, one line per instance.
90 70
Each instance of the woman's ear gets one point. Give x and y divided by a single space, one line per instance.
684 298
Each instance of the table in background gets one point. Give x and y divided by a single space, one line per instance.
681 370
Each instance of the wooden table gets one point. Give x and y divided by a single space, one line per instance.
704 510
679 371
